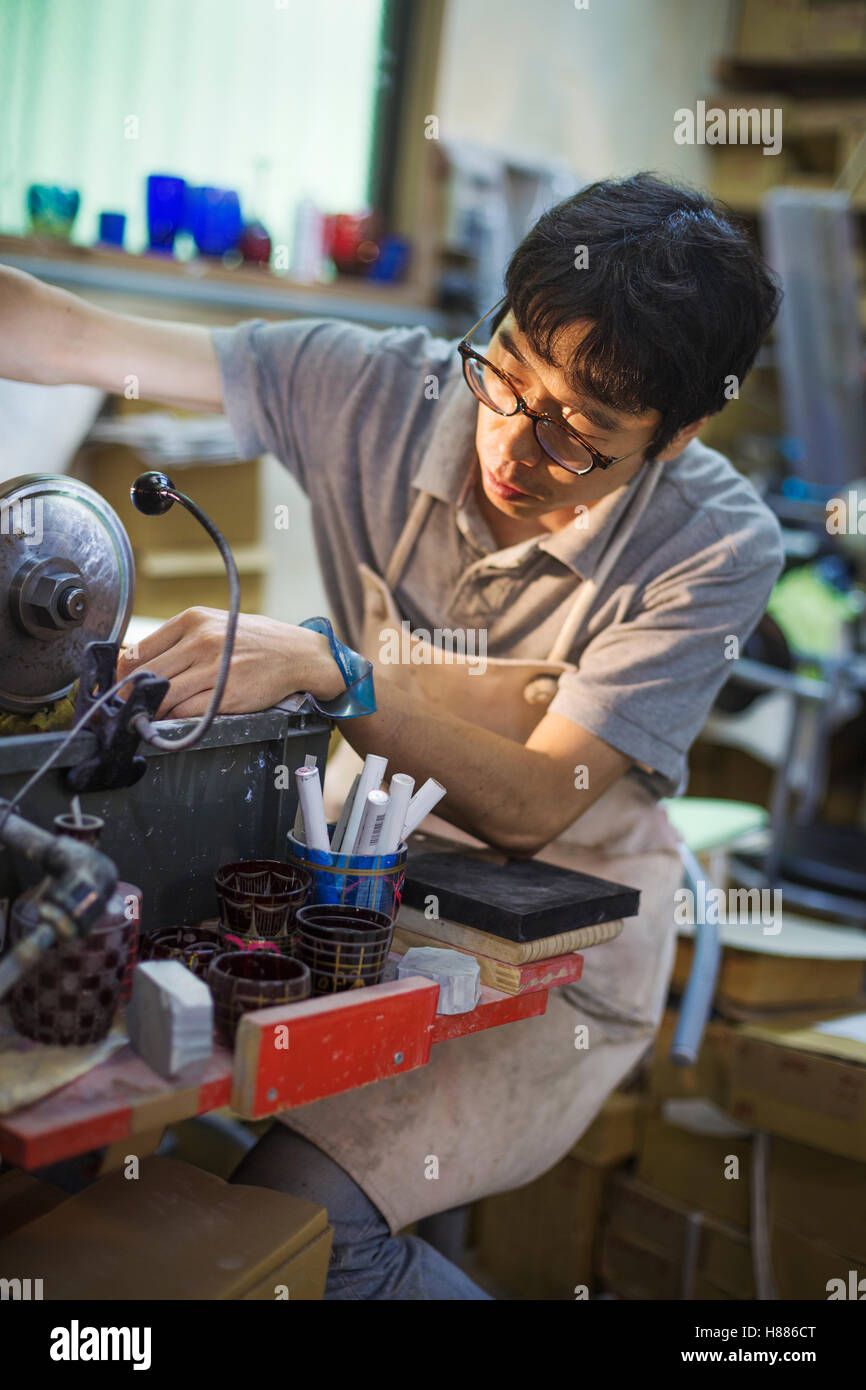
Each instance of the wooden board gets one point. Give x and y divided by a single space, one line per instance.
498 948
175 1232
508 979
294 1054
492 1011
117 1100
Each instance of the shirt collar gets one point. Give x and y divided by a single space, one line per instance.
450 455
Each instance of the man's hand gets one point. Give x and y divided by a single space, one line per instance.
270 661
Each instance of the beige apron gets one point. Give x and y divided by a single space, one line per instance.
498 1108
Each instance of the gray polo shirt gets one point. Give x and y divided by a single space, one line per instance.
365 419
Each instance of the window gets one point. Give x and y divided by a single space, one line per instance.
273 98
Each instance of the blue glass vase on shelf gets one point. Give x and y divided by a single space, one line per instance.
166 196
112 228
214 219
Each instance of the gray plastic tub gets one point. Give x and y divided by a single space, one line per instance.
191 812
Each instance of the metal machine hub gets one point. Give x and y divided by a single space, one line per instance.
66 580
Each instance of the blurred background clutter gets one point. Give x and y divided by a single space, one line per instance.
378 160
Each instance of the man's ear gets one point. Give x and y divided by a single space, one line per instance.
681 439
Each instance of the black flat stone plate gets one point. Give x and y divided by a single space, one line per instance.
520 899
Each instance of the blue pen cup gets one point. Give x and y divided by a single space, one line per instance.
355 880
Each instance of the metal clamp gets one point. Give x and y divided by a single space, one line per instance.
115 761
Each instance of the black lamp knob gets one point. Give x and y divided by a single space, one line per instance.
149 493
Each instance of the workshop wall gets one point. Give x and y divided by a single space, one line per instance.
569 83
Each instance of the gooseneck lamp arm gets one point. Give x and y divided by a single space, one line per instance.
153 494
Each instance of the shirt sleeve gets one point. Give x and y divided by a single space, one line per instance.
646 685
285 382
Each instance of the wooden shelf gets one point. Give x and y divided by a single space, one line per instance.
818 76
200 281
338 1042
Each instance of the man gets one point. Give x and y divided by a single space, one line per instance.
542 486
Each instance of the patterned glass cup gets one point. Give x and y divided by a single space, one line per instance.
71 995
344 947
258 898
194 947
244 981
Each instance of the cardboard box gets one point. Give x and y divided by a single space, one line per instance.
691 1168
820 1195
228 492
176 565
168 581
613 1135
709 1077
654 1247
833 28
804 1268
538 1242
175 1232
778 29
770 28
761 980
802 1084
741 174
633 1270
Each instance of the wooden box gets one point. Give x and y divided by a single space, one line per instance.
655 1247
691 1168
538 1242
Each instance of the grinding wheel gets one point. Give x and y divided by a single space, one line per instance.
66 579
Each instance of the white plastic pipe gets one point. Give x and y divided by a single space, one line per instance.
343 818
313 807
298 827
401 788
372 819
421 805
371 778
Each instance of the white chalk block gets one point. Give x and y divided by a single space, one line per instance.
459 976
170 1016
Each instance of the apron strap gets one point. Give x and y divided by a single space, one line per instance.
589 588
408 536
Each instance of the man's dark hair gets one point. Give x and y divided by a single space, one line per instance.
676 295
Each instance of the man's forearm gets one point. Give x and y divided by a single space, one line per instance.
50 337
480 770
172 363
505 793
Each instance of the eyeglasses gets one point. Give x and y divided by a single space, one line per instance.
557 438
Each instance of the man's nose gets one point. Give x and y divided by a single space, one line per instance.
522 437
